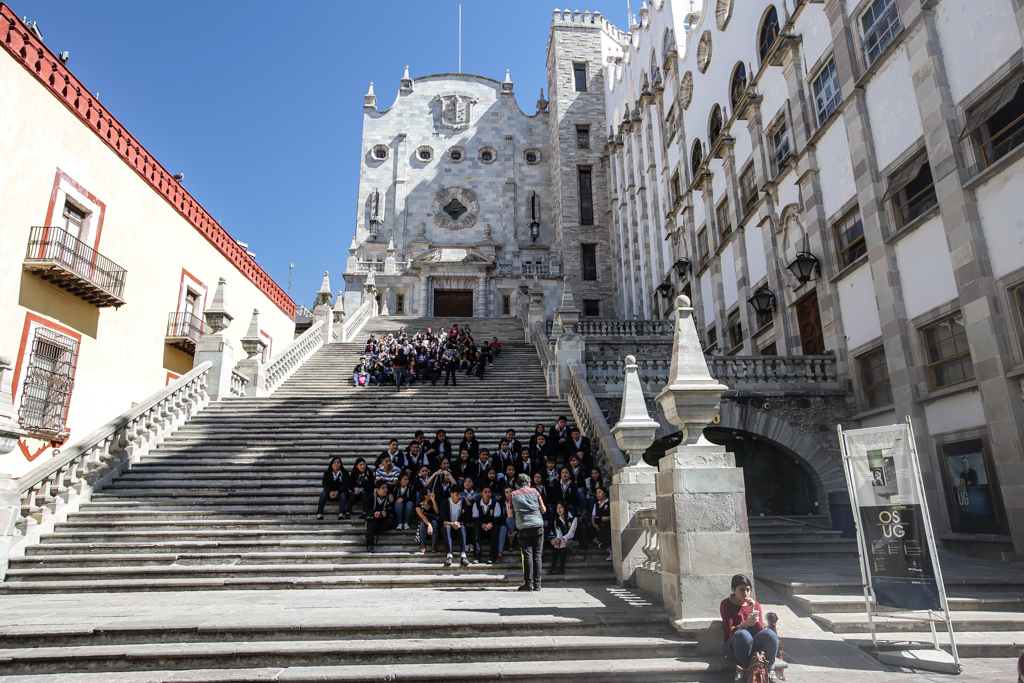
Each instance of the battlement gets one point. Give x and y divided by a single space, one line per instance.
587 19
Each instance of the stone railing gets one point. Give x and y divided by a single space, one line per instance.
775 373
293 356
238 382
504 270
625 328
369 267
60 485
548 363
302 311
541 270
591 421
355 322
652 551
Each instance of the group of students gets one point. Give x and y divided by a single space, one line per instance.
462 494
425 357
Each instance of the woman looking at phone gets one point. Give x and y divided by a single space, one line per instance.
744 628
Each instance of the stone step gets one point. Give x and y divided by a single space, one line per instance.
966 620
963 586
991 644
350 651
964 602
351 546
803 552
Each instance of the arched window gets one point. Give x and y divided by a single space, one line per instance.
704 52
668 43
769 32
686 90
696 157
738 85
715 125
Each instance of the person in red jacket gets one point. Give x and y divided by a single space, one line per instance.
744 628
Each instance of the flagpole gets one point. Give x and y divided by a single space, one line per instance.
460 38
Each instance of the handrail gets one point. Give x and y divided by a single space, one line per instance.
651 545
238 382
61 484
624 328
293 356
591 420
548 362
356 321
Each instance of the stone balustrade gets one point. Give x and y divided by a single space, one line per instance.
591 421
370 267
757 373
504 270
630 329
355 322
294 355
238 383
61 484
648 574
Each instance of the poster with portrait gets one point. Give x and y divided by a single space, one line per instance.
887 491
974 503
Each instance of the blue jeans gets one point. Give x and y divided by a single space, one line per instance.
458 534
740 648
401 374
325 498
424 534
403 511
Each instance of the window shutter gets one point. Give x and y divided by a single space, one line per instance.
994 103
905 176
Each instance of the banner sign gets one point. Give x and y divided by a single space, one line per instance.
887 493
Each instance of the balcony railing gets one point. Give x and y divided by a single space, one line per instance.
184 331
56 255
625 328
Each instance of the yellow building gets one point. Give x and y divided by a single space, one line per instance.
106 261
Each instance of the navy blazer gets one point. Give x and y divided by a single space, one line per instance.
444 514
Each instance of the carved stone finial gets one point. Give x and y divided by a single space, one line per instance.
691 397
216 315
371 99
252 342
323 295
506 86
406 80
634 432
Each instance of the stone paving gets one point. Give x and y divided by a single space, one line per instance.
814 654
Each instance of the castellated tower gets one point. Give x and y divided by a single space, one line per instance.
578 47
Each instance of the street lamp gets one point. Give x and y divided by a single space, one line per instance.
535 223
763 300
681 266
804 266
665 289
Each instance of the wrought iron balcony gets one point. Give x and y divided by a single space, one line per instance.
63 259
184 331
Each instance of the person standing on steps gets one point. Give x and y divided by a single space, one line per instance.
381 517
335 483
401 365
528 509
450 362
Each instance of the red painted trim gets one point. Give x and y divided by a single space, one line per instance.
29 319
29 456
170 378
270 346
92 198
26 48
181 287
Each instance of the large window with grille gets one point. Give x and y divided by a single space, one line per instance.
49 380
947 353
879 25
826 91
850 238
874 379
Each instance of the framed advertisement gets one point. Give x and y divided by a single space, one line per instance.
975 506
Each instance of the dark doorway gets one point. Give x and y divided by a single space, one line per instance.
808 315
453 303
775 482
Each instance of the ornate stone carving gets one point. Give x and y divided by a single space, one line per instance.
456 110
462 219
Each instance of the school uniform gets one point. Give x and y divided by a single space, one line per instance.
493 513
479 471
462 469
555 435
428 511
505 458
440 449
526 467
334 482
397 457
391 477
362 481
604 529
376 525
472 446
564 528
515 447
461 512
583 449
542 453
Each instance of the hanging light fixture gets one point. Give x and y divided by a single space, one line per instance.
804 265
665 289
681 266
535 223
375 219
763 300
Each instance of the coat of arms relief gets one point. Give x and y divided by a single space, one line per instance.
456 110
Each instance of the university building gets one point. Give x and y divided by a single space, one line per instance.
825 180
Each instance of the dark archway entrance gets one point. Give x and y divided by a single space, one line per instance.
776 483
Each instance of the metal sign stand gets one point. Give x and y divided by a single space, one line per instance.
932 660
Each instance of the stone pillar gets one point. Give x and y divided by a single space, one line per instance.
216 347
422 307
252 365
537 312
10 501
385 309
569 345
702 512
632 486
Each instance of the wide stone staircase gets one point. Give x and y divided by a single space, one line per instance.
228 504
797 538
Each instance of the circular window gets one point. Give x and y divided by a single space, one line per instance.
686 90
380 152
487 155
704 52
456 155
532 156
425 153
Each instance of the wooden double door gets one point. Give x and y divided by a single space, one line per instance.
453 303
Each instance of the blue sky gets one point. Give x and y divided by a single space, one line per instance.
260 104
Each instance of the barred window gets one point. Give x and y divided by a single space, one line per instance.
879 26
949 358
826 91
912 190
49 381
874 379
579 72
850 238
506 304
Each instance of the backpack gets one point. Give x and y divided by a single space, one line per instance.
757 671
362 380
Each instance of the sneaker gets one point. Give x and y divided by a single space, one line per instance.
608 559
463 561
490 561
738 676
771 675
448 560
536 588
525 587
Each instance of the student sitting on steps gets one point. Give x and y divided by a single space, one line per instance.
335 484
